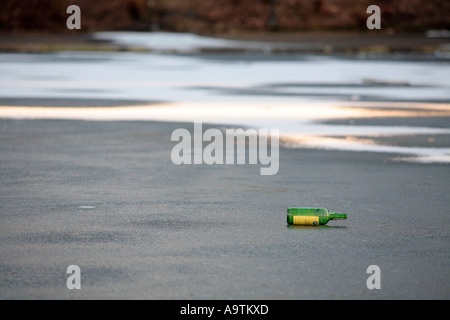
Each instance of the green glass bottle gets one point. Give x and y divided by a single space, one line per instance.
311 216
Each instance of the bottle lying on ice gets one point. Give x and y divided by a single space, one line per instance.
311 216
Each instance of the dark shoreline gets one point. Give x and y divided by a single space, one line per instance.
345 43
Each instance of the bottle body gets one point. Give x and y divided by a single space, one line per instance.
311 216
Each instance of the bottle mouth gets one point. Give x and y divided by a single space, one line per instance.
341 216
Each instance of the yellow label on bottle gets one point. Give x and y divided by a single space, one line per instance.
306 220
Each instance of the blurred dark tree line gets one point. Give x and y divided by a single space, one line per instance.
222 16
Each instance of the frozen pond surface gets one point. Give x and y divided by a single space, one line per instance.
292 93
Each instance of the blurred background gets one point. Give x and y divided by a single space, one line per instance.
222 16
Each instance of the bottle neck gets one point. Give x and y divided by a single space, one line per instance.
337 215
